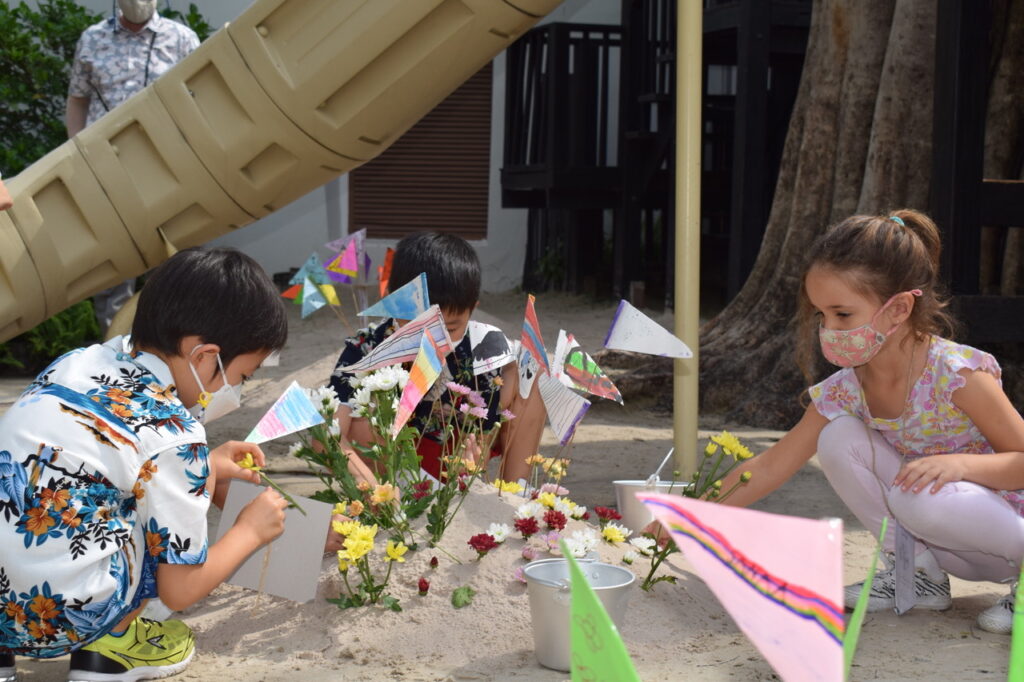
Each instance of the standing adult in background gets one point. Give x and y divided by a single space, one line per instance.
115 59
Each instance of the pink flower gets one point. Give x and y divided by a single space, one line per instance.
530 552
464 408
476 399
478 412
458 388
519 575
554 488
506 414
552 538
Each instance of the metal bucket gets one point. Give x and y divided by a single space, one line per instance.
634 512
548 583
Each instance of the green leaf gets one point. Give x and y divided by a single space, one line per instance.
463 596
390 602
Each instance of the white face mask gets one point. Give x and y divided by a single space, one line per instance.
227 398
137 11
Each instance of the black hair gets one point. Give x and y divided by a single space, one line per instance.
451 264
221 295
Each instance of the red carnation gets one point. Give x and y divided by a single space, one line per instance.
527 526
555 519
421 490
424 585
607 514
462 482
482 543
433 562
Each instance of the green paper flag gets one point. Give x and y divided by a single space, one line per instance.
597 650
853 627
1017 643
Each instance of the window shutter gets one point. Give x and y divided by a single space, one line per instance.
435 177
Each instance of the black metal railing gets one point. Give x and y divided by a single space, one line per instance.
561 85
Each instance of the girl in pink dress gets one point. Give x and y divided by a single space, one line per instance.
914 426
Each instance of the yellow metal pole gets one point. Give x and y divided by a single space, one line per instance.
689 35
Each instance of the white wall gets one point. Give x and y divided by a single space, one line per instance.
286 238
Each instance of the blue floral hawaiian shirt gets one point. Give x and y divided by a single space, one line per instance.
102 475
112 63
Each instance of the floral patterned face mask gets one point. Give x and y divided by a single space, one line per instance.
856 347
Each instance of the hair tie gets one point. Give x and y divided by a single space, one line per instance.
896 219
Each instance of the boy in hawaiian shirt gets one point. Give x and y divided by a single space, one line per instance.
106 476
453 279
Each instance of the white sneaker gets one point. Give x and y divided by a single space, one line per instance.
933 595
999 618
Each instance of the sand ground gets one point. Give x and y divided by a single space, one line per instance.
678 632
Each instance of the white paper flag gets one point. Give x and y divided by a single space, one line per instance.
633 331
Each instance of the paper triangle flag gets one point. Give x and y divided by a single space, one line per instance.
598 652
330 294
339 245
565 343
490 347
779 577
404 344
384 272
312 270
633 331
531 340
565 408
292 412
293 293
312 299
586 375
405 304
425 371
347 262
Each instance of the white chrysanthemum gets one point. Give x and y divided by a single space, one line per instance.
564 506
577 548
588 538
334 428
499 531
293 449
578 511
325 399
532 508
386 378
643 545
622 529
363 396
629 557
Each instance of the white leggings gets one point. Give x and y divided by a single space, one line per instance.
973 532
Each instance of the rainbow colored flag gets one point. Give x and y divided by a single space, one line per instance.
425 370
531 339
779 577
292 412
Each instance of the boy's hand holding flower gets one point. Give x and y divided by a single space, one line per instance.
237 459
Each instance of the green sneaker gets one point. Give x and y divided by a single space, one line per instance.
147 650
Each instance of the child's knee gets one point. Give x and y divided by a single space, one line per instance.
839 439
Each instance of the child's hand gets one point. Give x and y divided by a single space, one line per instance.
655 529
264 516
471 450
226 458
357 467
334 540
914 476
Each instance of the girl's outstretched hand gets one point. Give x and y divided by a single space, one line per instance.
937 470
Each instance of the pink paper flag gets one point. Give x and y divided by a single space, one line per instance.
292 412
425 370
779 577
531 338
346 264
404 344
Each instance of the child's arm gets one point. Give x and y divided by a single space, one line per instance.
262 520
520 438
224 460
984 402
355 430
777 464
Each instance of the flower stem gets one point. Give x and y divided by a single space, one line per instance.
291 500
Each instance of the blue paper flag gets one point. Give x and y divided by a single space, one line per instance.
312 298
405 304
312 270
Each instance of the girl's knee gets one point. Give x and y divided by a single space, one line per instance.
839 438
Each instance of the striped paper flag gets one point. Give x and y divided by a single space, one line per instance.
779 577
292 412
425 370
404 344
531 338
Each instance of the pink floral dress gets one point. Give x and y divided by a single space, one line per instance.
932 424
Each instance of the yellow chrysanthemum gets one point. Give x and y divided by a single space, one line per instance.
547 499
732 445
345 528
383 493
343 564
507 486
546 463
395 552
247 462
469 466
612 534
535 459
356 549
710 449
339 509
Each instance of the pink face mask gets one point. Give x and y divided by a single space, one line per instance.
856 347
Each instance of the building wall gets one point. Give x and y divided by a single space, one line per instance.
286 238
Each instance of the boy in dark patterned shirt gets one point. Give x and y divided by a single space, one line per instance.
453 280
